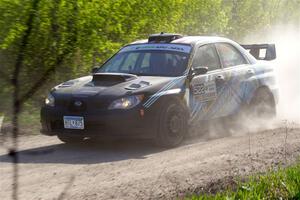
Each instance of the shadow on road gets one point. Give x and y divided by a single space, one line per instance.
87 153
95 152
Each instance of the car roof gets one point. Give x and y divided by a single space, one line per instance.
197 40
191 40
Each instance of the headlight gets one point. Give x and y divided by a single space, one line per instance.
126 102
50 101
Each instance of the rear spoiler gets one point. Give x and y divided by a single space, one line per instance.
261 51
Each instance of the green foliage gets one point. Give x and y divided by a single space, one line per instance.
249 15
203 17
73 35
280 184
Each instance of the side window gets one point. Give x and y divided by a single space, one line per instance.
206 56
229 55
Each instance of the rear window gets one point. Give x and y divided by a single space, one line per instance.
229 55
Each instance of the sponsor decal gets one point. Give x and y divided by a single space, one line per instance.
167 47
167 89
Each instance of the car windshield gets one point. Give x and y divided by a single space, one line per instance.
148 63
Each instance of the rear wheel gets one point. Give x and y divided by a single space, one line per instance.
262 105
70 140
173 125
255 114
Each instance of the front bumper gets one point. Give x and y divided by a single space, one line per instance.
101 123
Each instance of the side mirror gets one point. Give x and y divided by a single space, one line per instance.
94 70
199 70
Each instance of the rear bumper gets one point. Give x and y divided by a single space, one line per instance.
102 124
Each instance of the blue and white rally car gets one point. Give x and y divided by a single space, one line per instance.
156 88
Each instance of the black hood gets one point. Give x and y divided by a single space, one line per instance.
115 85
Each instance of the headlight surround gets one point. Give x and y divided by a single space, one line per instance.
50 101
126 102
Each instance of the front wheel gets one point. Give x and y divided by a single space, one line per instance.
173 125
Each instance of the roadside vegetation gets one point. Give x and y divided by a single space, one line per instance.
283 183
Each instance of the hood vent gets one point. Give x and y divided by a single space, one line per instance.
110 79
139 85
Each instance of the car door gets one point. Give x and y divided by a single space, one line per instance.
237 70
205 88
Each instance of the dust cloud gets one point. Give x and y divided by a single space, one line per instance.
287 65
287 68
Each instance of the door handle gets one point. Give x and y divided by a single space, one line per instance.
220 78
250 72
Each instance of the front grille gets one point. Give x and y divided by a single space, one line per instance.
73 107
57 125
61 102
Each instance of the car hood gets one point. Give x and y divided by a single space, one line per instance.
115 85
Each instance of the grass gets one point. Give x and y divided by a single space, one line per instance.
279 184
30 122
29 119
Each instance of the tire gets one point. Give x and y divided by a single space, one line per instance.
262 106
172 125
70 140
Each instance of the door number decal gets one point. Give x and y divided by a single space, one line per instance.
206 91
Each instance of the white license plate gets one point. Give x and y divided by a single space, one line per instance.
73 122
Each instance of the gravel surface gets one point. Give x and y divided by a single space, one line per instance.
49 169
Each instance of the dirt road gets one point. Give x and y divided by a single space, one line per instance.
136 169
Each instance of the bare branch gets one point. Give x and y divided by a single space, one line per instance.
4 76
60 58
37 85
16 91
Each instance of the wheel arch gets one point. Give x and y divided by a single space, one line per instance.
264 88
